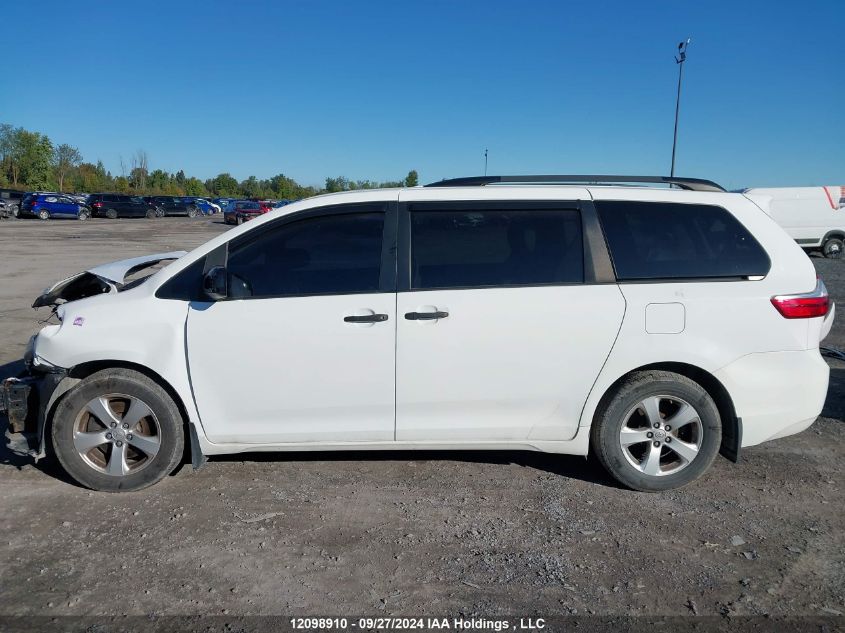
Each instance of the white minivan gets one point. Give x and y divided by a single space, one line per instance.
812 216
649 327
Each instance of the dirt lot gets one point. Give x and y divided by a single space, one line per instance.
408 533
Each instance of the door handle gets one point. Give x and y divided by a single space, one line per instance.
365 318
426 316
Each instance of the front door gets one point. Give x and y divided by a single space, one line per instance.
303 349
501 333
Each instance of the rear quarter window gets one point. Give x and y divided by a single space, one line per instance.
657 240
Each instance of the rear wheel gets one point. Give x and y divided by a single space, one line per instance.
83 214
43 214
159 212
239 220
659 431
192 212
111 214
118 430
833 248
151 213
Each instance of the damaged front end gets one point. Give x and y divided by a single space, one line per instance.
101 279
28 398
25 400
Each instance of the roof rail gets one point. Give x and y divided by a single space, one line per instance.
691 184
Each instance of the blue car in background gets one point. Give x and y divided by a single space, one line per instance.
53 205
206 207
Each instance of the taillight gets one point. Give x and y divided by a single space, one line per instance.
98 204
804 306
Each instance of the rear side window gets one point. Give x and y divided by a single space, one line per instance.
335 254
657 240
461 249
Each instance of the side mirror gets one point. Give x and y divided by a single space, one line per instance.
214 284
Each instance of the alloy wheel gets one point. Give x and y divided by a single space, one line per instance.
116 434
661 435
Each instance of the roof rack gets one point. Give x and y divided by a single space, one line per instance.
690 184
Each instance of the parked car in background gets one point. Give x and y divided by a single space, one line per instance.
11 202
222 202
650 328
7 210
278 204
175 205
116 205
266 205
239 211
813 216
206 207
53 205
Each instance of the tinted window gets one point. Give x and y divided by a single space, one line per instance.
452 249
247 206
650 240
336 254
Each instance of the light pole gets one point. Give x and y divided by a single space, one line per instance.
679 60
485 161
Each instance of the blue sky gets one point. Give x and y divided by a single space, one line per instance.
372 89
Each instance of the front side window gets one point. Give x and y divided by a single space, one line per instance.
658 240
334 254
460 249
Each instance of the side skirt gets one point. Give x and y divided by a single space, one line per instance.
579 445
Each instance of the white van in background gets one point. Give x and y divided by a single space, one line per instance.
813 216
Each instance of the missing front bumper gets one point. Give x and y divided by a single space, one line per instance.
24 400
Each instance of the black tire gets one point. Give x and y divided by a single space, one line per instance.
833 248
43 214
134 385
621 408
151 213
111 214
83 214
192 212
239 220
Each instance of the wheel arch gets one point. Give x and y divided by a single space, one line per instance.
836 233
79 372
731 424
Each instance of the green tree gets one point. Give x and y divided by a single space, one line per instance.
194 187
334 185
412 179
158 180
250 187
32 156
222 185
66 158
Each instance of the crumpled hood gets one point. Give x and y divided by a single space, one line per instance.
100 279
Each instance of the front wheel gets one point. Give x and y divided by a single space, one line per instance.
192 212
833 248
83 214
118 430
659 431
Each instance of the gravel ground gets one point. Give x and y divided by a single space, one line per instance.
408 533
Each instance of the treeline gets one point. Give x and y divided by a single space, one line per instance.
30 161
